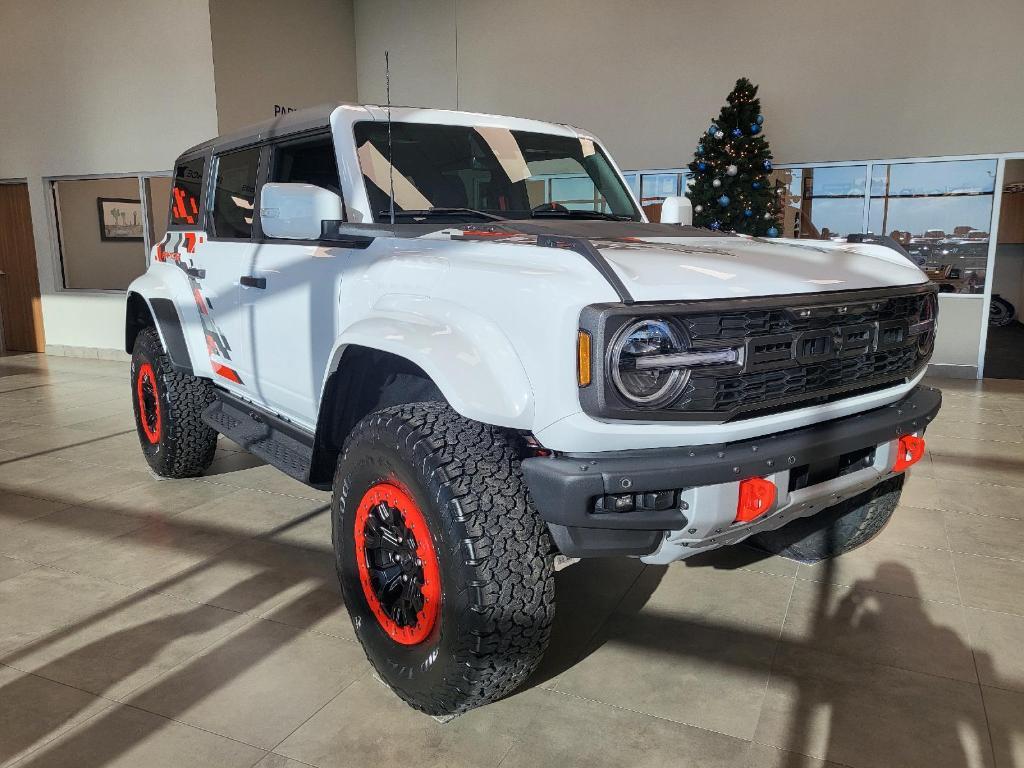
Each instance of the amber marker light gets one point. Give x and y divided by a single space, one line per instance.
583 358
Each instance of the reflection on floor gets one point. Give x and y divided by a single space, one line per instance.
1004 352
198 622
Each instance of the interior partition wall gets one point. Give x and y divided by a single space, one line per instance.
941 209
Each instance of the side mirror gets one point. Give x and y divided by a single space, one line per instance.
296 211
677 210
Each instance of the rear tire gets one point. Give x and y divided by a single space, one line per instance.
836 530
466 515
168 412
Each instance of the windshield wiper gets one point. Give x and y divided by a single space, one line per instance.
577 214
428 212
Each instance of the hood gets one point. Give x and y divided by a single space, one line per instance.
679 269
666 262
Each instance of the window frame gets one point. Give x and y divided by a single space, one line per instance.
598 146
210 187
50 200
268 159
201 216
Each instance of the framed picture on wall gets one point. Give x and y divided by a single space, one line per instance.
120 218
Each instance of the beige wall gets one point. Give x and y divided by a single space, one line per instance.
92 87
420 37
839 80
88 260
268 53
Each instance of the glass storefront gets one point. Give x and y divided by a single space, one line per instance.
942 214
821 203
655 187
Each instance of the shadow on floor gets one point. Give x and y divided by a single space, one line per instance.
589 594
127 651
971 739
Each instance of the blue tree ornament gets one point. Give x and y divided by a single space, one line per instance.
767 165
755 128
760 119
773 232
755 185
736 132
712 129
700 149
702 166
716 224
748 212
723 200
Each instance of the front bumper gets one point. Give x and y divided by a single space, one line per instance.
704 481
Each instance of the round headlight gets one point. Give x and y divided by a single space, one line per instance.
645 384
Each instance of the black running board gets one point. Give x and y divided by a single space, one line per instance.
276 441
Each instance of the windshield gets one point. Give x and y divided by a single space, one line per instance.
484 172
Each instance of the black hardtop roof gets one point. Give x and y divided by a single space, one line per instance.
297 121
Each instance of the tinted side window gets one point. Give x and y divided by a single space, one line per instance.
307 161
235 193
186 192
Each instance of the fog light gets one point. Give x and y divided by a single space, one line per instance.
756 497
909 451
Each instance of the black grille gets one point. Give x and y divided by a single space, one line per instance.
728 393
798 355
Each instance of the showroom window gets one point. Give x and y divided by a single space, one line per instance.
939 210
633 182
654 186
234 194
105 226
822 202
942 214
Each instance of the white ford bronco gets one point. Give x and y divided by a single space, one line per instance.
466 327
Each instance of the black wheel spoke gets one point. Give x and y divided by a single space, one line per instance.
396 573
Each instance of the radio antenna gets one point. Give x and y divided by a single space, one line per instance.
391 159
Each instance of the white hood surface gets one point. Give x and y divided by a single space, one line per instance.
666 269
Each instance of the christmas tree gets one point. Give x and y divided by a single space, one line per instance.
731 190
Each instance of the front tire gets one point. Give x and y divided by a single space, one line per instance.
445 566
168 411
836 530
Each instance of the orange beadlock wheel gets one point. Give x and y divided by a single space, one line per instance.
397 564
149 403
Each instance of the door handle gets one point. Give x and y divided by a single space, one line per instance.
198 274
253 282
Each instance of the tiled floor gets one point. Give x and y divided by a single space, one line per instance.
198 623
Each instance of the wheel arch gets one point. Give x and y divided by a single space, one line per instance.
364 380
159 313
470 359
442 353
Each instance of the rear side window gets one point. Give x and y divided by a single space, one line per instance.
186 192
234 194
307 161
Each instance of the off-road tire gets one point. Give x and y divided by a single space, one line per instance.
494 554
184 445
836 530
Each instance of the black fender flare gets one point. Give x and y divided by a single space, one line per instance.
141 312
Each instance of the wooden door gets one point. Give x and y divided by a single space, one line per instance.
20 307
